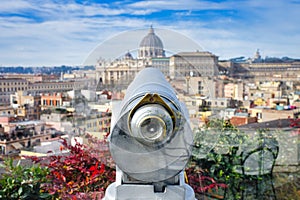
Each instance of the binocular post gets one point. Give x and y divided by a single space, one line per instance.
178 190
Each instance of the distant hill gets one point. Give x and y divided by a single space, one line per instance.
267 59
43 70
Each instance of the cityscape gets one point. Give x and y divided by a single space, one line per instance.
149 99
41 105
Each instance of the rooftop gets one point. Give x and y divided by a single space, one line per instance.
274 124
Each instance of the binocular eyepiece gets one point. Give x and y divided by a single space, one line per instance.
150 138
151 124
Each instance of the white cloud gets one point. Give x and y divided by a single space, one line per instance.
12 6
64 33
177 5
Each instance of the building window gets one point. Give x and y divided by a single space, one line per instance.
2 150
200 87
259 115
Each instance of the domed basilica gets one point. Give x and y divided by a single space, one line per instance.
151 46
124 69
119 73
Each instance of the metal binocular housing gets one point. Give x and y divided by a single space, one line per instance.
150 139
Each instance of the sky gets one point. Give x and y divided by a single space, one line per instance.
65 32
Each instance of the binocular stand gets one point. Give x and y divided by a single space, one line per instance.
173 189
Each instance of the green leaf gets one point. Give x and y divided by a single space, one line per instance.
20 190
221 173
45 195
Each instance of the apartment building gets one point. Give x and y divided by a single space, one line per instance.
16 135
9 86
51 100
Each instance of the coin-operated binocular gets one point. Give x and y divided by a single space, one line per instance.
150 142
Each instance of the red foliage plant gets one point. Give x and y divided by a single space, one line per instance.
89 169
84 169
202 184
295 123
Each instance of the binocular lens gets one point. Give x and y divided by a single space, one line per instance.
151 124
152 128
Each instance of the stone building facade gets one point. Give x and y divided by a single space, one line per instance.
9 86
186 66
195 64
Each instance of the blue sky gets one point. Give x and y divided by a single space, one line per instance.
64 32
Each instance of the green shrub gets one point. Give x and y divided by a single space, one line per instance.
21 182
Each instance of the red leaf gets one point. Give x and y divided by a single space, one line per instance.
102 169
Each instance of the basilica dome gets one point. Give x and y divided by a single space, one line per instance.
151 46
